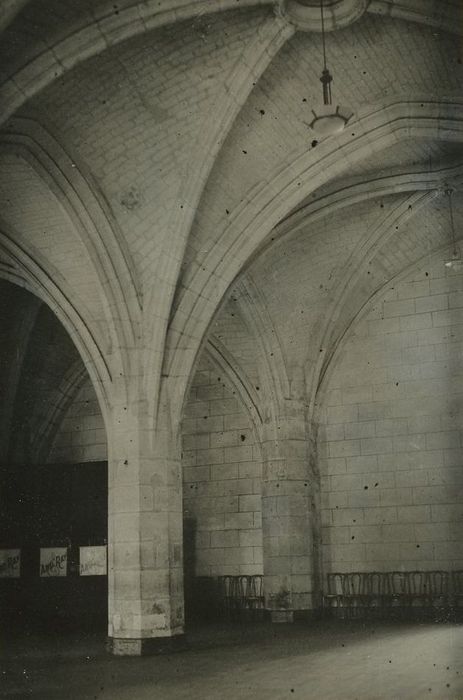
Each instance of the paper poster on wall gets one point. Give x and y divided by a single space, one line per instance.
53 561
10 563
93 561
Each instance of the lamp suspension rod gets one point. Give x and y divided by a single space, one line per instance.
326 75
323 34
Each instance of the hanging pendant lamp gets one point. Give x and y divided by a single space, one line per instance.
328 119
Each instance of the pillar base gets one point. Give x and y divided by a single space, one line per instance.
147 646
282 616
290 616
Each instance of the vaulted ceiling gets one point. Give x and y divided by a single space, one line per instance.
156 161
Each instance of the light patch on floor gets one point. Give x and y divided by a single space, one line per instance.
327 661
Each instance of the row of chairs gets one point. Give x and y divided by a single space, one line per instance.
354 593
241 593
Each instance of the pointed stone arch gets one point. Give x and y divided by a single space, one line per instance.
250 225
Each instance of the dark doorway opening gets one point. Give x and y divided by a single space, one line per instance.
53 506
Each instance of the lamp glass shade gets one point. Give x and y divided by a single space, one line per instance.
330 119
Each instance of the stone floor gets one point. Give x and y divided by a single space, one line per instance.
330 660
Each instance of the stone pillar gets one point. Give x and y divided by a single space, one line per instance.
290 516
145 570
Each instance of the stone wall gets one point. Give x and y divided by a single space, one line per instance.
390 438
222 473
81 436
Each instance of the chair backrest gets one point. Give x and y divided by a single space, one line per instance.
243 587
231 586
354 583
398 582
418 582
335 583
438 582
457 582
255 586
376 581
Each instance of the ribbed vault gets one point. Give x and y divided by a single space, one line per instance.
189 154
163 194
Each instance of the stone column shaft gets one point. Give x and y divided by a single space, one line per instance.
290 513
145 567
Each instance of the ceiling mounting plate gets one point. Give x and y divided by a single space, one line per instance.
305 14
